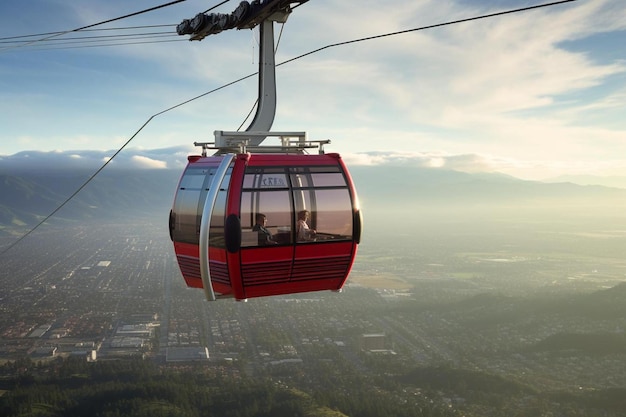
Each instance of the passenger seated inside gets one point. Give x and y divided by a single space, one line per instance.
265 236
303 231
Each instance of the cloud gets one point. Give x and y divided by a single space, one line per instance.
483 163
145 162
463 162
164 158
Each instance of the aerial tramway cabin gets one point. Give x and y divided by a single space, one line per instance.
254 220
221 198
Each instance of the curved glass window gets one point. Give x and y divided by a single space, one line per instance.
189 203
305 204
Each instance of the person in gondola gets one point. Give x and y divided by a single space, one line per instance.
265 236
303 231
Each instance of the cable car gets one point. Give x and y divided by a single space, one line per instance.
260 224
255 220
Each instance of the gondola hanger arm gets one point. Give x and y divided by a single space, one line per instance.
247 15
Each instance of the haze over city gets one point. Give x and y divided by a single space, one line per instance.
479 295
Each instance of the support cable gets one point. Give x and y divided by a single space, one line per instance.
56 34
453 22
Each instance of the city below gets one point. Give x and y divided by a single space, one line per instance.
114 292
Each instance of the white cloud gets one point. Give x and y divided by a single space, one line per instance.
145 162
165 158
476 163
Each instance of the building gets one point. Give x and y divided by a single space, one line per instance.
373 341
186 354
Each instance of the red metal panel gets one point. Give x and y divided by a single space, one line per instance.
187 257
190 268
293 160
266 273
189 264
319 268
266 265
328 259
294 288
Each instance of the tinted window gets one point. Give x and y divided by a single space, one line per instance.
190 199
281 193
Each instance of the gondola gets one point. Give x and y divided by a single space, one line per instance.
219 201
253 220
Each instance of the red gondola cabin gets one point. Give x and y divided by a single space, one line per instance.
220 247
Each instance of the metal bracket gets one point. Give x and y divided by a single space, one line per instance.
243 142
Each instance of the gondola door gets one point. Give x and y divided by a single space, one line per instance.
265 259
324 215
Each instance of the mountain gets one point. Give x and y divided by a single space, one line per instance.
430 185
604 304
27 196
491 309
612 181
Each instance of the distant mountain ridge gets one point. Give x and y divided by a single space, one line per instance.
607 181
431 185
28 196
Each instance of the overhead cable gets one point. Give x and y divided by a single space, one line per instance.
151 9
84 30
453 22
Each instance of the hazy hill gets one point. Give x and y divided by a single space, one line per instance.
28 196
462 381
590 343
604 304
612 181
437 186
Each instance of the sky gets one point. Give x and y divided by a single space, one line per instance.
538 94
